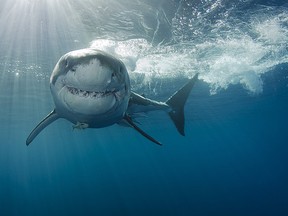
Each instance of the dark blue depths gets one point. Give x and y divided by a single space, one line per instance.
233 161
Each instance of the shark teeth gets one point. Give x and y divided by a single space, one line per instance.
92 94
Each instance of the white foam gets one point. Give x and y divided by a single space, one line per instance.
237 59
272 30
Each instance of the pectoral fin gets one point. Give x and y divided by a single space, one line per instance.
133 125
51 117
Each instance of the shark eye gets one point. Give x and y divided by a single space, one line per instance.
113 75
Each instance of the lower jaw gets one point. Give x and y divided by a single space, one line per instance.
89 106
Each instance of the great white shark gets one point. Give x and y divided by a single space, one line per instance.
91 89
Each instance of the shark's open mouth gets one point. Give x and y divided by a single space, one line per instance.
92 94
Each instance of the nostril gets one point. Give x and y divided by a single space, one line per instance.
66 63
113 77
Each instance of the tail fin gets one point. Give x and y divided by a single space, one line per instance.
177 102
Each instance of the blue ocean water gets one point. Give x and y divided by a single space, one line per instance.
233 159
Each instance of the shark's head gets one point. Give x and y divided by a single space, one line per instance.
90 86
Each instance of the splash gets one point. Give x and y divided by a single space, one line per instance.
238 56
221 63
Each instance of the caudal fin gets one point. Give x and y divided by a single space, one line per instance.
177 102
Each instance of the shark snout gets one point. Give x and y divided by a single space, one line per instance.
92 76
